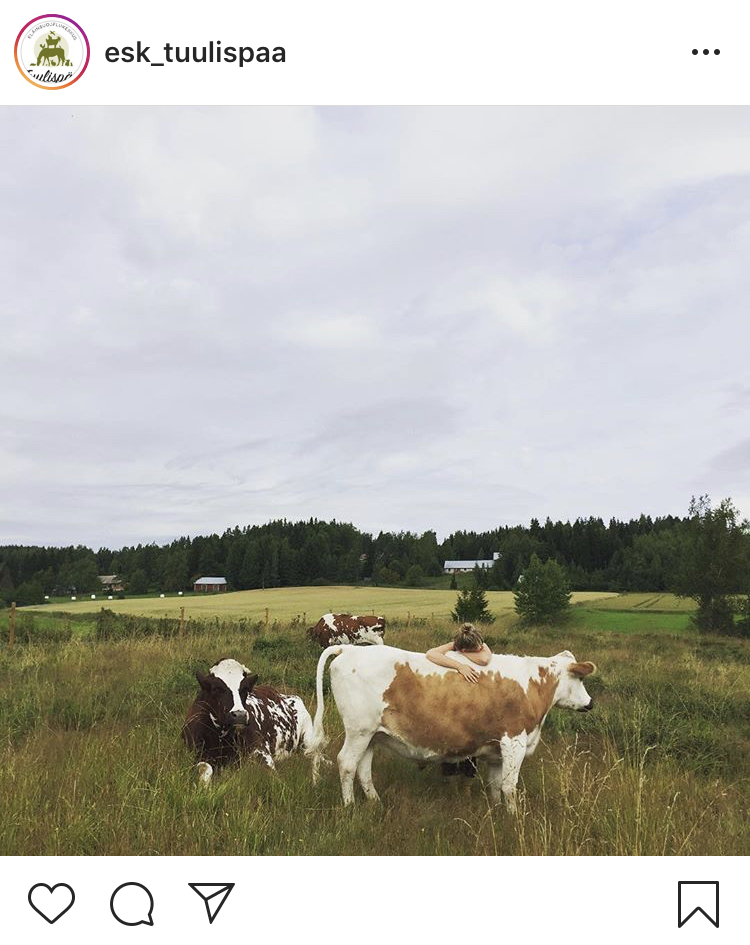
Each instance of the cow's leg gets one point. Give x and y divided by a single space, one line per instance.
364 775
513 751
495 780
265 758
205 773
355 746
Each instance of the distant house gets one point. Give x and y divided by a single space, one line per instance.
111 583
210 585
461 567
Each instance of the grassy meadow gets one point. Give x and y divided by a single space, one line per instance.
285 603
91 761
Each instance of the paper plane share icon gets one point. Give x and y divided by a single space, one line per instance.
214 895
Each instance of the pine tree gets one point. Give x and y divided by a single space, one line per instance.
472 607
138 583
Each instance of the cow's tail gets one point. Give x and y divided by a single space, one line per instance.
319 739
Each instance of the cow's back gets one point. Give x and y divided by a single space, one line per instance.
334 629
420 703
274 721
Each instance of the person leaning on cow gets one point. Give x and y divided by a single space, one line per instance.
468 641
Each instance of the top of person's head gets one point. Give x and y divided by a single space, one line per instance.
468 638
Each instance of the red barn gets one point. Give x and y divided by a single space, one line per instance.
210 585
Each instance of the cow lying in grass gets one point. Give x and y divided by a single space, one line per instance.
231 716
426 712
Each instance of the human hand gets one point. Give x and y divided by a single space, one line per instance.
469 673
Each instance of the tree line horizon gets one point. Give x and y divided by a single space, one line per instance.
641 554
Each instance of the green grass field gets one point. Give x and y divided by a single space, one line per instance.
91 761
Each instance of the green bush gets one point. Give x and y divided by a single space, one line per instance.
414 576
29 630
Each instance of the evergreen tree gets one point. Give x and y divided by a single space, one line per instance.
250 574
138 583
176 576
6 581
542 593
472 607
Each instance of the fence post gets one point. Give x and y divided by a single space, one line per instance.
304 618
182 621
12 626
266 618
408 617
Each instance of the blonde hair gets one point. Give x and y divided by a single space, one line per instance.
468 638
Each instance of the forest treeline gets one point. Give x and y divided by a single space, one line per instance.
640 554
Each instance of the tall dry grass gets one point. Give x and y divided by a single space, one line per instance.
91 761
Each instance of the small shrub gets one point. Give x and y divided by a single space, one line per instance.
471 606
28 630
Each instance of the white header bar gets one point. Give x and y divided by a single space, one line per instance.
397 52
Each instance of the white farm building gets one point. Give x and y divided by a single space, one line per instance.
461 567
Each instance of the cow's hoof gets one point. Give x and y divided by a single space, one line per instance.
205 772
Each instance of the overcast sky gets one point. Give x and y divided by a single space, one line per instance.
403 318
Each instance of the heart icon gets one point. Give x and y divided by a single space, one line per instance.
51 902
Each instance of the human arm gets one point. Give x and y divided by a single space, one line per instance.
438 655
481 657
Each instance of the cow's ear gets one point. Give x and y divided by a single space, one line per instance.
249 681
204 680
582 669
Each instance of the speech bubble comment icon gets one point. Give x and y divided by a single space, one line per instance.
697 897
132 904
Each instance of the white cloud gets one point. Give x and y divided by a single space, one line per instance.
405 317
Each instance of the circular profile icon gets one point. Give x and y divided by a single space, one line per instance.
52 51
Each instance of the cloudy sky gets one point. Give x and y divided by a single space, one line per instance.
403 318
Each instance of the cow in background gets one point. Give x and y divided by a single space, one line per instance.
332 629
232 716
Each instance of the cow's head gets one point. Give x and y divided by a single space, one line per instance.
571 693
225 689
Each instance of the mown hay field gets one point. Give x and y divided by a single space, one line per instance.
91 761
284 603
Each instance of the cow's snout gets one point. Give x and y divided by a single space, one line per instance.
238 717
587 708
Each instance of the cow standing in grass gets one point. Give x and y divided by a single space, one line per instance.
426 712
347 628
232 716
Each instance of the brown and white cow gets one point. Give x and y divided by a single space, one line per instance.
425 712
347 628
232 716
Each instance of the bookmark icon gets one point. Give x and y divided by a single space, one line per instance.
214 895
697 896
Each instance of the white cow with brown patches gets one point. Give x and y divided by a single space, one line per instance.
332 629
425 712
